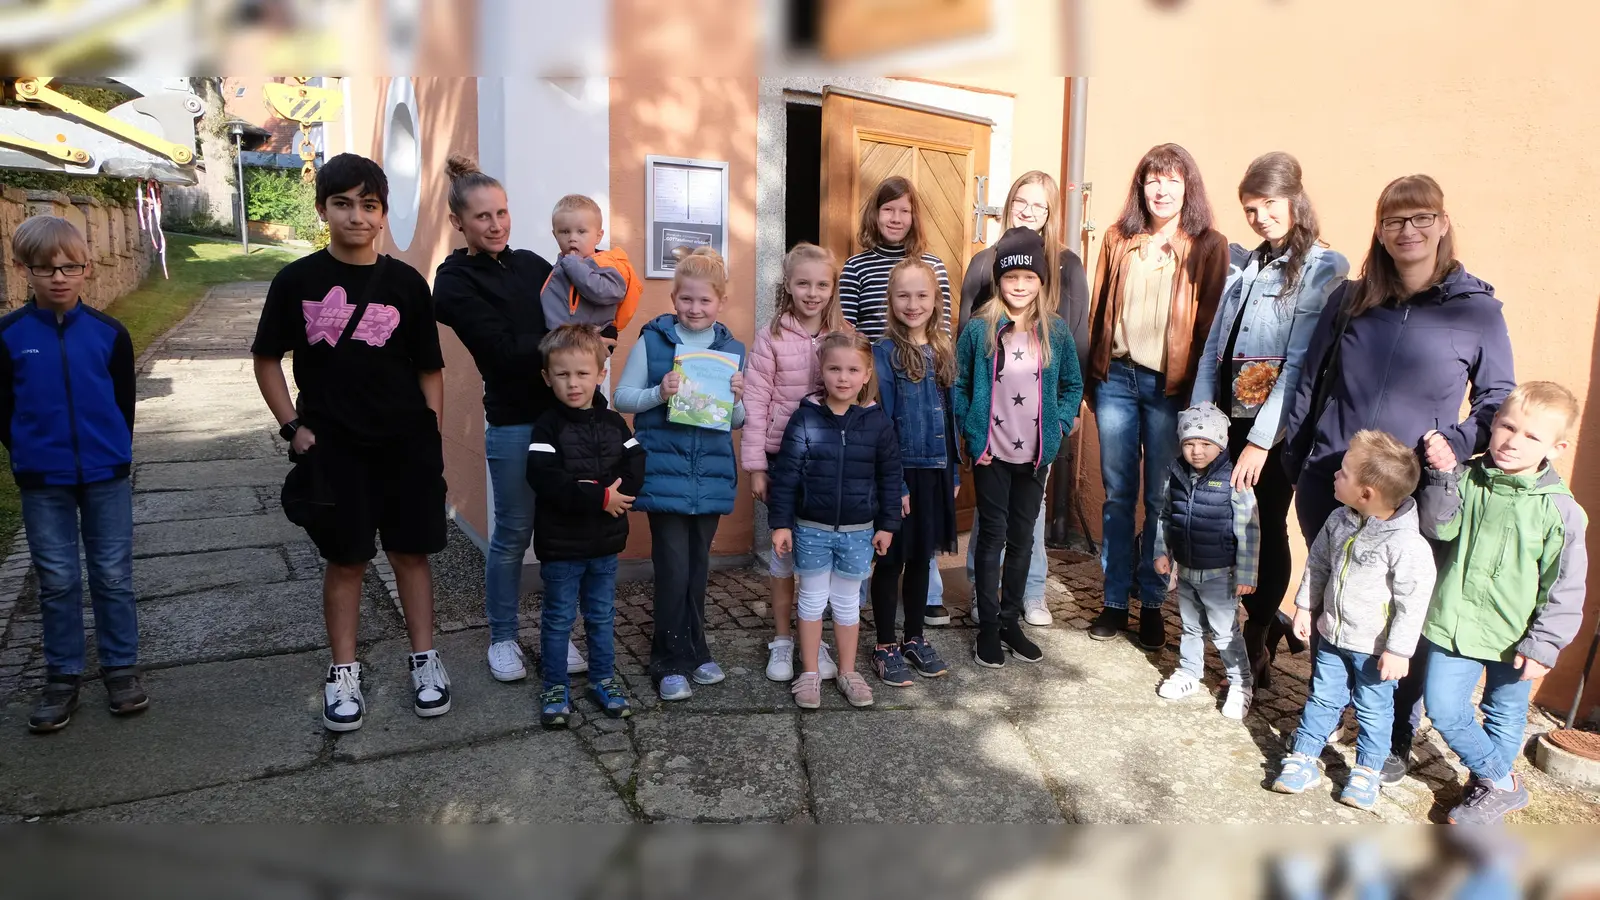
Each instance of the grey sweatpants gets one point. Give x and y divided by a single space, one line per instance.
1207 602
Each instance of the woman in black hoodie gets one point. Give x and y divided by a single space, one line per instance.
1395 350
489 294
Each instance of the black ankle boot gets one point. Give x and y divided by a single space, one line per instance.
1021 647
1152 628
987 651
1282 626
1110 623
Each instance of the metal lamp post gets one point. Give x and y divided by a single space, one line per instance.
236 128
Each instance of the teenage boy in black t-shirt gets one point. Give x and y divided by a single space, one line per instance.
364 433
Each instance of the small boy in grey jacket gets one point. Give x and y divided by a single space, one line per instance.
1372 572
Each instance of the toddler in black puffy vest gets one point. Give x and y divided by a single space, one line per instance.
1208 541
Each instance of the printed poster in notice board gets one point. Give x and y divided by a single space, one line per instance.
687 207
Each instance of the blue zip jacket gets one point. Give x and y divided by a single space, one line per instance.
1403 369
66 396
1199 516
836 470
688 471
923 413
977 370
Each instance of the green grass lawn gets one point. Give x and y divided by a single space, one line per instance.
195 264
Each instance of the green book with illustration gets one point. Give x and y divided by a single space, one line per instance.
705 394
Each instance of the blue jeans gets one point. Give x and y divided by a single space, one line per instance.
50 515
1488 750
506 449
1133 414
567 584
1038 564
1207 602
1337 674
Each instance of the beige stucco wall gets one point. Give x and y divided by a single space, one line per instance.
1493 100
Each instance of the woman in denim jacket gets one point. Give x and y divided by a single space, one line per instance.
1253 361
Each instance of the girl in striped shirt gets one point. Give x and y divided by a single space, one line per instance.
891 230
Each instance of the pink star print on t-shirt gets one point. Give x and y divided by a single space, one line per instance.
326 320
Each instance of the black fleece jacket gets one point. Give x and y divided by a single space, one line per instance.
492 303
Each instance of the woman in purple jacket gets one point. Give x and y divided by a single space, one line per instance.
1395 350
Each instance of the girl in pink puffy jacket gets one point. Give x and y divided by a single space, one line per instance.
782 369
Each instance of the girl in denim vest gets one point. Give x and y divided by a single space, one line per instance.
690 472
916 367
783 371
1252 363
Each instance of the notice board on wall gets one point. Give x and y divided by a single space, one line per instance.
686 206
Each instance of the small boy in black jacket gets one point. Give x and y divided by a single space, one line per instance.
585 467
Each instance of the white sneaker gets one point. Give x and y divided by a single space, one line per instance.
1238 702
826 667
431 684
342 703
1036 612
1178 685
576 664
780 659
506 662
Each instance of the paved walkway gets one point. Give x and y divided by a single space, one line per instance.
234 643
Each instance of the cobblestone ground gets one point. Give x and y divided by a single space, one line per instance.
233 641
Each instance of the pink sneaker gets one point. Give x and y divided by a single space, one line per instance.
807 690
854 688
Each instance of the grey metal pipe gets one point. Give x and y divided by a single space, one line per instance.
1077 119
1059 525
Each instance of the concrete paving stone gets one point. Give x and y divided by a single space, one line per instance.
268 529
195 446
922 766
170 506
164 576
537 778
216 473
1172 763
1075 670
207 724
44 864
480 707
719 768
246 620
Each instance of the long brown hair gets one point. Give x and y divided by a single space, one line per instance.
832 314
907 354
889 190
1277 174
1379 280
1167 159
1051 231
851 340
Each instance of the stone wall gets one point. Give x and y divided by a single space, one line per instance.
120 252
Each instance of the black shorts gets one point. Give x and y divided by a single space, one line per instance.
396 491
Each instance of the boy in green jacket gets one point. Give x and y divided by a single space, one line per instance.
1510 590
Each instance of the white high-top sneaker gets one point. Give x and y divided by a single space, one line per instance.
343 705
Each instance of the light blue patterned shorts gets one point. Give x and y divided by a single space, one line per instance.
848 553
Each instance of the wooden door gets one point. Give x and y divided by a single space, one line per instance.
866 139
853 28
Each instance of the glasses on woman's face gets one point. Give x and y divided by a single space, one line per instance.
1037 210
50 271
1418 221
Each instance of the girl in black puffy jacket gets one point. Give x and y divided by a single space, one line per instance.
834 496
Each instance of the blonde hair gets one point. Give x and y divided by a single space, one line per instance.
832 314
574 338
465 177
575 202
907 355
852 340
704 264
1387 466
1039 316
39 239
1052 231
889 190
1546 396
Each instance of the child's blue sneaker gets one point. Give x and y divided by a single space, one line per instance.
1361 790
891 666
555 706
922 658
1299 774
675 687
610 698
709 673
